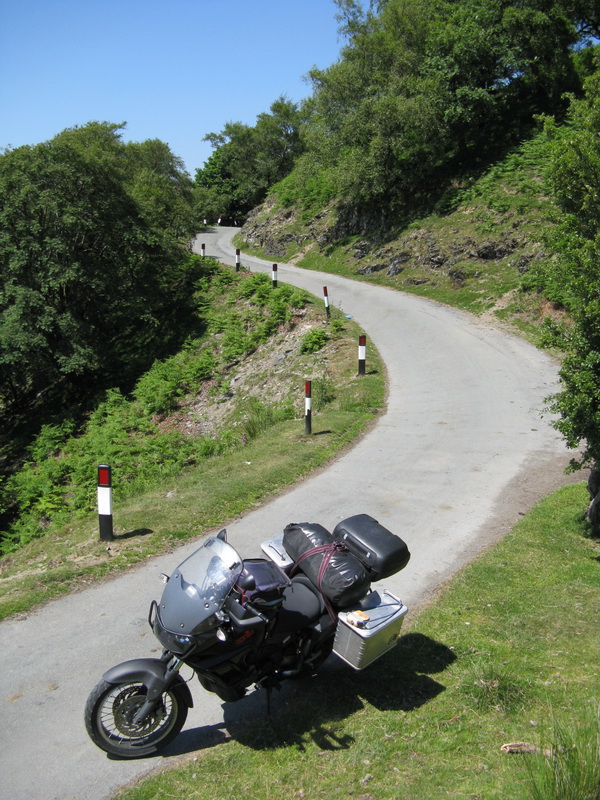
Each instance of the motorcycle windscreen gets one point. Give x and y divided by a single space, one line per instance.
199 586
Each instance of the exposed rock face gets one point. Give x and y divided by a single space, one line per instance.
397 263
490 251
353 221
268 236
435 255
421 249
270 232
371 268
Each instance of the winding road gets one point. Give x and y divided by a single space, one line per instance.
461 451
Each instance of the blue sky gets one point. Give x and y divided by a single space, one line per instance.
172 69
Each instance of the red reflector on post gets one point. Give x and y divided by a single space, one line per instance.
104 475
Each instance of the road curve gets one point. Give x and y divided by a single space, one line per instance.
461 450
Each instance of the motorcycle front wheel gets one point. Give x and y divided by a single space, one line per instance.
109 719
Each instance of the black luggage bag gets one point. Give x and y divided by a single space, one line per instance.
381 551
340 576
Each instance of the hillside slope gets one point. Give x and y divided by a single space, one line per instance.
471 252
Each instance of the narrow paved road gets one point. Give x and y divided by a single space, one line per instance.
460 452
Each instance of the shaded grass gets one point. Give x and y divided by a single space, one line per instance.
509 643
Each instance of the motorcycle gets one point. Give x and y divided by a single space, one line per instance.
242 622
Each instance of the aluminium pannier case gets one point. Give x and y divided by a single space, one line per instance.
369 629
380 550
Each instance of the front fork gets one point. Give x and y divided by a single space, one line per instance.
156 686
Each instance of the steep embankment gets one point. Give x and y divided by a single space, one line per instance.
473 251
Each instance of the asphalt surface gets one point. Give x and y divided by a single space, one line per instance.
460 453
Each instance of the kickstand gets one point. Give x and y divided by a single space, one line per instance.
268 685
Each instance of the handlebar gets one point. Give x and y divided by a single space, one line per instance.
239 615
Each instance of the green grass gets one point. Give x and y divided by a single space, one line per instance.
271 452
507 652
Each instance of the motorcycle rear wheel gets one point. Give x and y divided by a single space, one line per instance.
109 714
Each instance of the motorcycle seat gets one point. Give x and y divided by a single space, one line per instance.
302 605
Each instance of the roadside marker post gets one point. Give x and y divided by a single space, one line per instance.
308 407
326 298
274 276
203 246
362 353
237 260
105 519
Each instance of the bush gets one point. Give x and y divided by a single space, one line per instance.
314 340
159 389
259 417
323 392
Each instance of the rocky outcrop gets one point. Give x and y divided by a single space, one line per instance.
269 230
421 249
426 254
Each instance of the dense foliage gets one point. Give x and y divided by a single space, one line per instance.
572 279
95 277
427 90
423 92
247 161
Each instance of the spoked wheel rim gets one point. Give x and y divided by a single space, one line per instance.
116 712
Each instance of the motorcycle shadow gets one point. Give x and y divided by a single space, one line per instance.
311 708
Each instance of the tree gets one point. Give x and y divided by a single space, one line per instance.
247 161
426 89
154 177
572 278
585 14
161 187
89 290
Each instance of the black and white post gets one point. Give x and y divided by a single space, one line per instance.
274 276
237 260
326 298
105 519
362 353
203 247
308 408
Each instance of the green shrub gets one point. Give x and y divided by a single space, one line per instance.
158 389
314 340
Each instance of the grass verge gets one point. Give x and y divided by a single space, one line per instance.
506 654
206 495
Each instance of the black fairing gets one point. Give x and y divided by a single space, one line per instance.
288 640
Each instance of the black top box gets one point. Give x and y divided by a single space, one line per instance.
380 550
